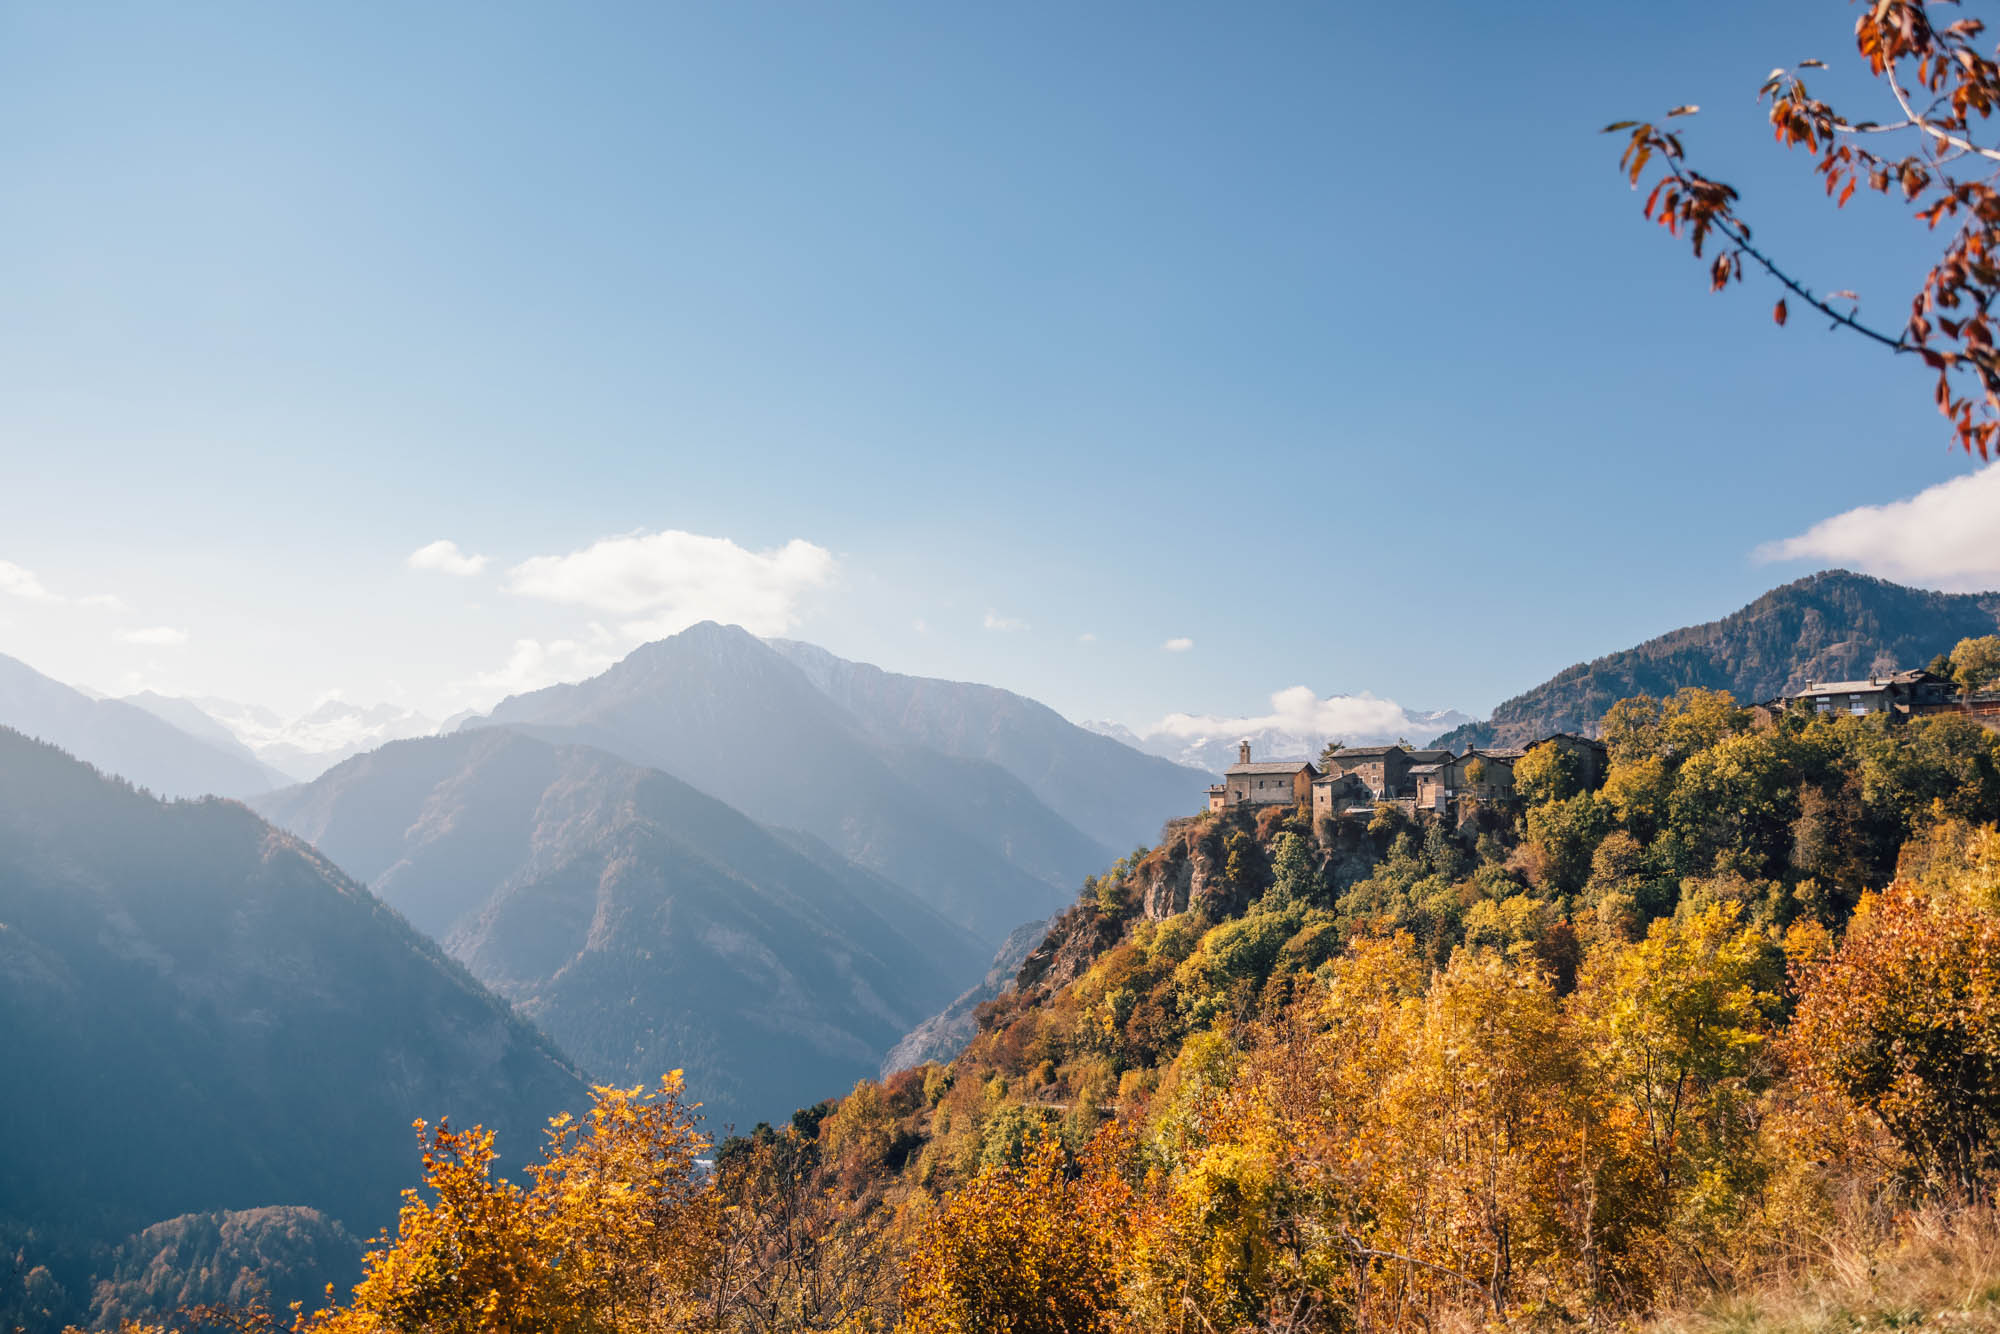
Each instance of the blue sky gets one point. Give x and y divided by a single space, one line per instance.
1321 336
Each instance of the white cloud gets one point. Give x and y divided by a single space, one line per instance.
671 580
156 636
533 664
1942 537
1086 638
1300 711
995 621
1178 644
444 557
103 602
22 583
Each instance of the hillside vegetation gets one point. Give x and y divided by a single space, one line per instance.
1726 1024
1831 626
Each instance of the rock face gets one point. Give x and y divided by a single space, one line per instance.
1186 872
1832 626
645 926
234 1020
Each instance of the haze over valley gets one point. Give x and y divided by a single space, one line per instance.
912 669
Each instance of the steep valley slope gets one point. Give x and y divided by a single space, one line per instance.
644 925
199 1013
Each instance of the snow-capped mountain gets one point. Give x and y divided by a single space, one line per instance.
301 747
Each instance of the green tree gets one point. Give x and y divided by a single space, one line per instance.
1975 663
1681 1020
1549 772
1293 879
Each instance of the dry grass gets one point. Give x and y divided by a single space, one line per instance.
1933 1268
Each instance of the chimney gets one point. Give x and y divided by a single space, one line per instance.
1243 753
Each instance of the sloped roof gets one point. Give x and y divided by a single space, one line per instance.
1362 752
1845 688
1432 756
1425 768
1271 767
1912 677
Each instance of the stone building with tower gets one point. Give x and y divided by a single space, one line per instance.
1251 782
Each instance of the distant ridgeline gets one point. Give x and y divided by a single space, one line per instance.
1832 626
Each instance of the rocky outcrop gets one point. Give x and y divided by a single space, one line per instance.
944 1035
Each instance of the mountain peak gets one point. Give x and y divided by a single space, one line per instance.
1829 626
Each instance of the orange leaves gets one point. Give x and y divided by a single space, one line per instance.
614 1233
1778 313
1904 1021
1023 1249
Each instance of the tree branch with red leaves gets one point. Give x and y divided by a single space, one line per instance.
1949 179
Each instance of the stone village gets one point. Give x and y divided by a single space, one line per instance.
1354 780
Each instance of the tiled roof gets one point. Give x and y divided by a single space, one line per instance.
1432 756
1424 769
1270 767
1362 752
1845 688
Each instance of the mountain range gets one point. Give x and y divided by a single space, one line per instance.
775 868
1831 626
301 748
742 721
1094 781
643 925
128 739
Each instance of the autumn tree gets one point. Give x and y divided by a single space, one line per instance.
1903 1019
1927 142
1678 1024
1020 1248
1975 663
613 1233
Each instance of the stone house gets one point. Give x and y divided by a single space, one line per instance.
1432 787
1899 693
1338 793
1485 775
1263 782
1384 769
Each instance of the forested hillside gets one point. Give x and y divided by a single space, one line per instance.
202 1014
1832 626
1715 1021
